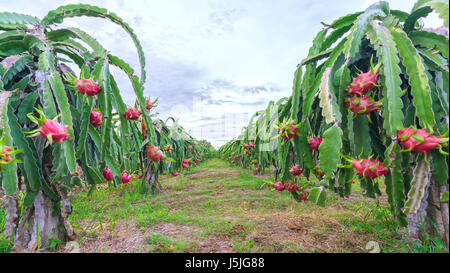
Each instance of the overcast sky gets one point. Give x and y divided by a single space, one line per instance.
212 64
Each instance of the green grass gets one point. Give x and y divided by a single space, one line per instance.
217 203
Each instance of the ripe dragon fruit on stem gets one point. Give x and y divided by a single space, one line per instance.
126 177
4 155
364 82
361 105
95 118
314 143
107 174
149 104
87 87
132 114
419 140
291 187
369 168
296 171
52 130
288 130
6 152
155 154
303 195
278 186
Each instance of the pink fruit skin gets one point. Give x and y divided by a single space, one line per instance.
87 87
148 104
296 171
126 177
154 154
362 84
278 186
53 128
370 168
292 131
361 105
5 153
95 118
314 143
107 174
430 142
132 114
174 174
291 187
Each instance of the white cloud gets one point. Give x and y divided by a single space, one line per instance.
217 50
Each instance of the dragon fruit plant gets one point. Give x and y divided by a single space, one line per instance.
390 118
59 129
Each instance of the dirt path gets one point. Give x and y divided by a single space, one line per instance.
215 208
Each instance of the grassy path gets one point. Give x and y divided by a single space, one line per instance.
218 208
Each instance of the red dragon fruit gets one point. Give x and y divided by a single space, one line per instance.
288 131
190 147
370 168
245 146
155 154
87 87
132 114
314 143
291 187
361 105
4 155
278 186
257 170
107 174
126 177
251 145
419 140
149 104
95 118
174 174
363 83
303 195
296 171
195 143
53 131
184 165
168 148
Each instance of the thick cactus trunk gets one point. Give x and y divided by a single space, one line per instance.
44 220
432 217
38 225
151 179
437 211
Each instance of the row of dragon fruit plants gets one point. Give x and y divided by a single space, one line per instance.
59 130
369 105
